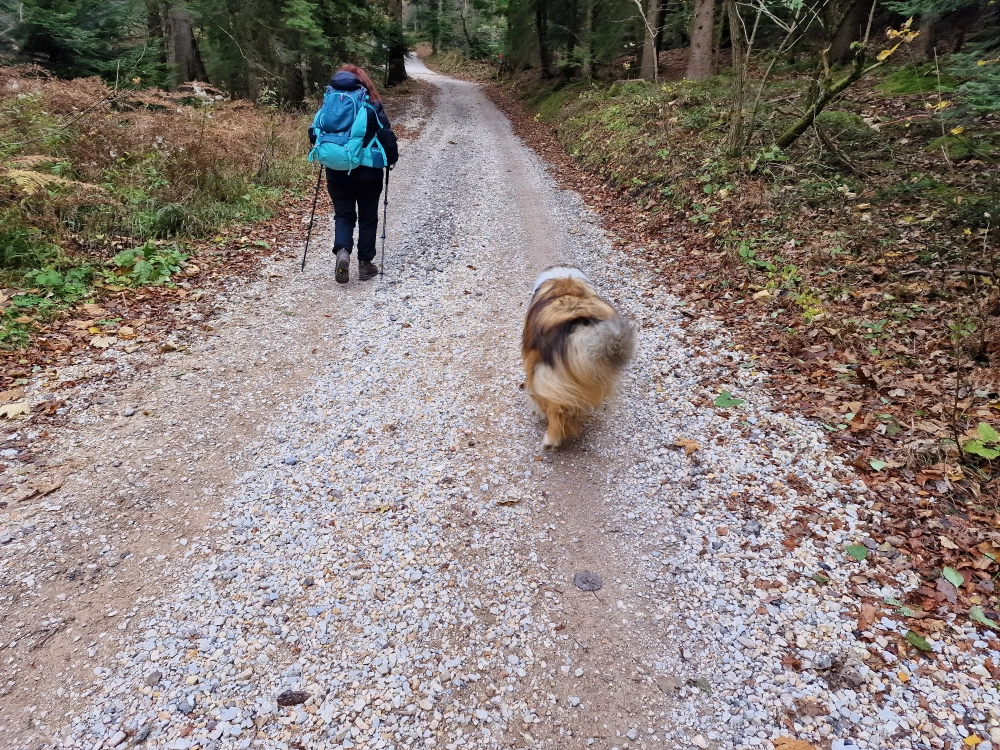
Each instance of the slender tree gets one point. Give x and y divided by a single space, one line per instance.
650 64
396 53
700 63
542 29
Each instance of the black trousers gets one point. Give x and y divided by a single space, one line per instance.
355 204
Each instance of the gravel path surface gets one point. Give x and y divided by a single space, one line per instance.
394 567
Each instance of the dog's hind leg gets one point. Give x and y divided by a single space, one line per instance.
560 424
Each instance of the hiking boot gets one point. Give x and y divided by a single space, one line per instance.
342 274
366 270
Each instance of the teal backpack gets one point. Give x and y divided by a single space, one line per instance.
340 127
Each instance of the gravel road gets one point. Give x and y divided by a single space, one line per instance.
389 562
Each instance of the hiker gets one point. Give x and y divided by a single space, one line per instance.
354 165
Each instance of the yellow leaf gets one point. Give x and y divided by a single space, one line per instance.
884 54
957 131
9 411
903 676
943 105
94 329
689 446
972 740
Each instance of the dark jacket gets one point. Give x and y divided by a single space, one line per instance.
378 125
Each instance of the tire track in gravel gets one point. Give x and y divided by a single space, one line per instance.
600 664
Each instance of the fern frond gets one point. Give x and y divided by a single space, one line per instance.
30 182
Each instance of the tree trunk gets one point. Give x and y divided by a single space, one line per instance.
436 29
396 69
734 139
587 66
180 46
927 42
542 26
849 30
649 67
465 24
700 59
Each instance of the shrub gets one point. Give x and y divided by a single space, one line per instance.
81 163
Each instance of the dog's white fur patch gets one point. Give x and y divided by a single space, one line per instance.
558 272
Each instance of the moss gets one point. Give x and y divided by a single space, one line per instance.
918 79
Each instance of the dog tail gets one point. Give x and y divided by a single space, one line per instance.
607 345
594 358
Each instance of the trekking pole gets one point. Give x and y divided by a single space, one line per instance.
319 178
385 213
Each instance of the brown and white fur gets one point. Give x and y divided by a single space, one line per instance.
574 347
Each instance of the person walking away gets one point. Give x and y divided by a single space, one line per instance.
354 163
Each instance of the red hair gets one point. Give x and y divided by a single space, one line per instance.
363 77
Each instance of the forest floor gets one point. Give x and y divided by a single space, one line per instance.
323 518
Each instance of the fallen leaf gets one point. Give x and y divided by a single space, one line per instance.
947 590
955 578
12 395
94 311
877 464
126 332
947 543
811 707
972 740
977 614
869 615
858 551
689 446
102 342
792 662
787 743
918 640
508 501
9 411
725 400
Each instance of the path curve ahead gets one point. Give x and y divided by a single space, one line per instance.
399 554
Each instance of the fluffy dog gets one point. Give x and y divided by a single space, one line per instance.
574 347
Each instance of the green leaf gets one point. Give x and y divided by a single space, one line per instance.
877 465
858 551
977 448
918 640
988 434
977 614
953 577
726 400
820 578
262 243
